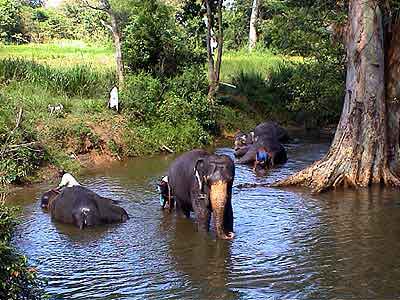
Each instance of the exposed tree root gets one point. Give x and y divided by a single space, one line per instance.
330 173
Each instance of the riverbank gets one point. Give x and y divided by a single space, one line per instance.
157 115
36 143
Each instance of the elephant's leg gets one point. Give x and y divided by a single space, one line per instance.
180 210
228 217
203 216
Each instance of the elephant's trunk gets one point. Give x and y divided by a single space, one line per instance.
218 198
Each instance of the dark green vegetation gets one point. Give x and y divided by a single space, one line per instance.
17 280
299 80
309 89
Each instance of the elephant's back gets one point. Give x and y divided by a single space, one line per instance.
272 130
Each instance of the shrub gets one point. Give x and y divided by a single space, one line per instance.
20 154
313 89
153 42
141 95
17 279
140 139
78 80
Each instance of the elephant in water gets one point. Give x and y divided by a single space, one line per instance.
202 182
271 130
267 131
80 206
276 151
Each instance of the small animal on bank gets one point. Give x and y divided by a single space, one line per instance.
201 182
56 108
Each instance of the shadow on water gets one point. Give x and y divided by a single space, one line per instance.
289 244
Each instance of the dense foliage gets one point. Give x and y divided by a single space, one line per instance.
26 21
17 280
309 88
155 41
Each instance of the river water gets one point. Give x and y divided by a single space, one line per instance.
288 243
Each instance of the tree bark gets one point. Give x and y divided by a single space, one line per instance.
359 154
393 93
118 48
210 55
214 66
253 22
104 5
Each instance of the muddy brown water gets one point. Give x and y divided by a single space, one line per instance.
289 244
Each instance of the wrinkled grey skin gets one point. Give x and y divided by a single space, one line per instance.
192 178
267 134
271 130
274 148
81 207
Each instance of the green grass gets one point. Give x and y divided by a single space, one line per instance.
79 77
62 53
237 62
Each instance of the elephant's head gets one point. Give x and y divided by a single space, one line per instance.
47 198
215 174
243 139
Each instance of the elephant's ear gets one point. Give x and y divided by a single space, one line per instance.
200 171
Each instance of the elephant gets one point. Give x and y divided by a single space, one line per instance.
202 183
272 130
274 148
268 130
81 207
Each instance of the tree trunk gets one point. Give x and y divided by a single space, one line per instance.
359 154
118 51
253 22
214 67
210 55
393 93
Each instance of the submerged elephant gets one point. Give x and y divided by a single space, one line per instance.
276 151
271 130
202 182
80 206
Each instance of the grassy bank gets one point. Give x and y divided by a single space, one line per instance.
156 115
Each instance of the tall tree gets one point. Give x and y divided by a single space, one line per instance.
253 24
104 5
365 149
214 20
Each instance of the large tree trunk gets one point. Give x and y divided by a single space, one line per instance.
253 22
359 154
393 93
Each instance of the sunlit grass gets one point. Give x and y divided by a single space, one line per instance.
61 53
257 62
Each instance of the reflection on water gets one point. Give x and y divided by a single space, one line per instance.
288 244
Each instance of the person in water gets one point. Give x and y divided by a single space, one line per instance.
262 159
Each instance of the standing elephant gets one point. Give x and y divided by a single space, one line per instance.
202 182
80 206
